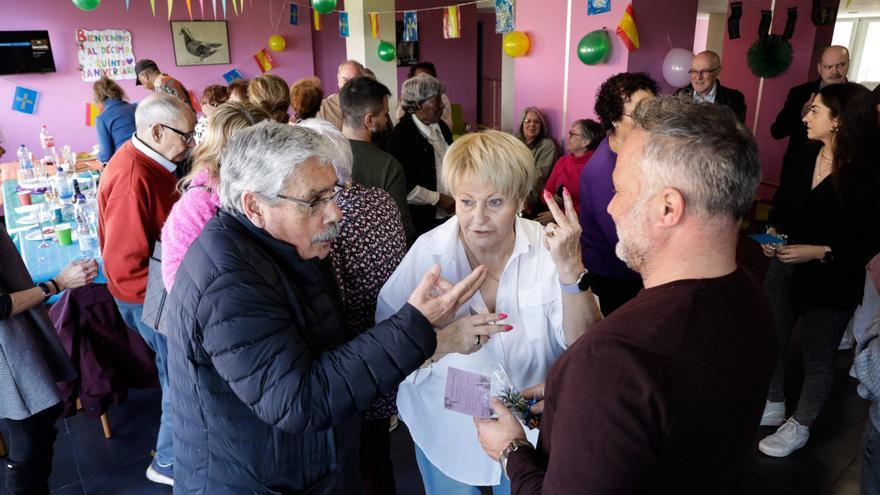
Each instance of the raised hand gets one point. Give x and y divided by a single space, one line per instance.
470 333
562 238
438 300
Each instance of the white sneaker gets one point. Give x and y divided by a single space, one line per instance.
788 438
774 414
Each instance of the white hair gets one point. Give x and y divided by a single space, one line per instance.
160 108
264 157
417 89
341 147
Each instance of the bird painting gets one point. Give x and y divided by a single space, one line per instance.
199 49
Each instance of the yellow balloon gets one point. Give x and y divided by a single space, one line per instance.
276 43
516 43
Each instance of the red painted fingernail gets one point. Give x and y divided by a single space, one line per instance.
502 316
508 328
565 190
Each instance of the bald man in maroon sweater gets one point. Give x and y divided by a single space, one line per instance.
664 395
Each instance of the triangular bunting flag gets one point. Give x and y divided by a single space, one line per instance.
223 2
374 25
202 7
316 18
451 23
214 8
627 31
153 6
126 5
170 7
189 9
235 7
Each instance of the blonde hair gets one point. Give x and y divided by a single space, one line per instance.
493 156
226 120
271 93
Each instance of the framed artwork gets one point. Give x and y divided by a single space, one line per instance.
407 51
200 42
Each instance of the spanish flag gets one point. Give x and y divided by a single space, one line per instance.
316 17
374 25
264 61
92 112
451 23
627 31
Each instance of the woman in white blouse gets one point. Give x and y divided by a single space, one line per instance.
536 284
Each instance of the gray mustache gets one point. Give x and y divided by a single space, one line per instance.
328 235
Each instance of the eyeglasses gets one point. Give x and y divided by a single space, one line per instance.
702 73
318 205
573 134
188 137
531 121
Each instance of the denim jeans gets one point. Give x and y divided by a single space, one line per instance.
437 483
131 313
871 461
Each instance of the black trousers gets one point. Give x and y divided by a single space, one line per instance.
377 471
613 292
31 448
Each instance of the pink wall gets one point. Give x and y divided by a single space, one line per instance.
701 34
329 50
63 94
662 26
737 75
455 59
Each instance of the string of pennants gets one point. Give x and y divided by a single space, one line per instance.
451 15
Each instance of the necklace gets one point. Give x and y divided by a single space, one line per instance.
827 159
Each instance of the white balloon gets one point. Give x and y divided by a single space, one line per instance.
676 65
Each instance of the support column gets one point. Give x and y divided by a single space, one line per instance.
361 46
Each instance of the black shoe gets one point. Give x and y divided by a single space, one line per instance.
26 478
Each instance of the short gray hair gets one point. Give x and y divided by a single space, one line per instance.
360 67
160 108
701 150
263 158
341 147
417 89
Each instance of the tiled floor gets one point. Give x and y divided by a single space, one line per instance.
86 463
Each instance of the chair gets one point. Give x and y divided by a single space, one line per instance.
458 126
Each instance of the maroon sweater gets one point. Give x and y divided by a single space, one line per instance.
663 396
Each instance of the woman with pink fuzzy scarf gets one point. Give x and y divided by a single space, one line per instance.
199 200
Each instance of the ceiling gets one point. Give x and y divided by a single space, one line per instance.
859 8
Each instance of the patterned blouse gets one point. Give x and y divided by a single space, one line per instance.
370 245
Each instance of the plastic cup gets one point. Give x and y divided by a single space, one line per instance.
24 197
62 230
59 214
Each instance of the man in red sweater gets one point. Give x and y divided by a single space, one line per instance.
664 396
135 196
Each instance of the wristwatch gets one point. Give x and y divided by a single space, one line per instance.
581 285
47 292
512 447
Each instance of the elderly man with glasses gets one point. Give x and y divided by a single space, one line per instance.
136 194
266 377
706 88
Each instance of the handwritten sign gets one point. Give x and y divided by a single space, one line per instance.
105 53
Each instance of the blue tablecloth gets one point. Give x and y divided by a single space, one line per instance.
45 263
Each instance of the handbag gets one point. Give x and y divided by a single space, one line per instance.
154 303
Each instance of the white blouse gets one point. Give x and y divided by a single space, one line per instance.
528 292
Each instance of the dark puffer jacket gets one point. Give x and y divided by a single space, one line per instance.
265 388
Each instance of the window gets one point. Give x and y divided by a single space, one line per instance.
858 34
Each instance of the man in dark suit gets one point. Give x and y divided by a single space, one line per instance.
706 88
833 66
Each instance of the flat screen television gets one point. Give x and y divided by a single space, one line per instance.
23 52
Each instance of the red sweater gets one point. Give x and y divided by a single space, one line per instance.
567 172
134 199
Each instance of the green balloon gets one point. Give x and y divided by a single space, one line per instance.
86 4
386 51
324 6
594 47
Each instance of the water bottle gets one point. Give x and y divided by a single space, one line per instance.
25 163
86 229
47 142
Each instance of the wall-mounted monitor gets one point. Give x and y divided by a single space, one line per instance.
23 52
